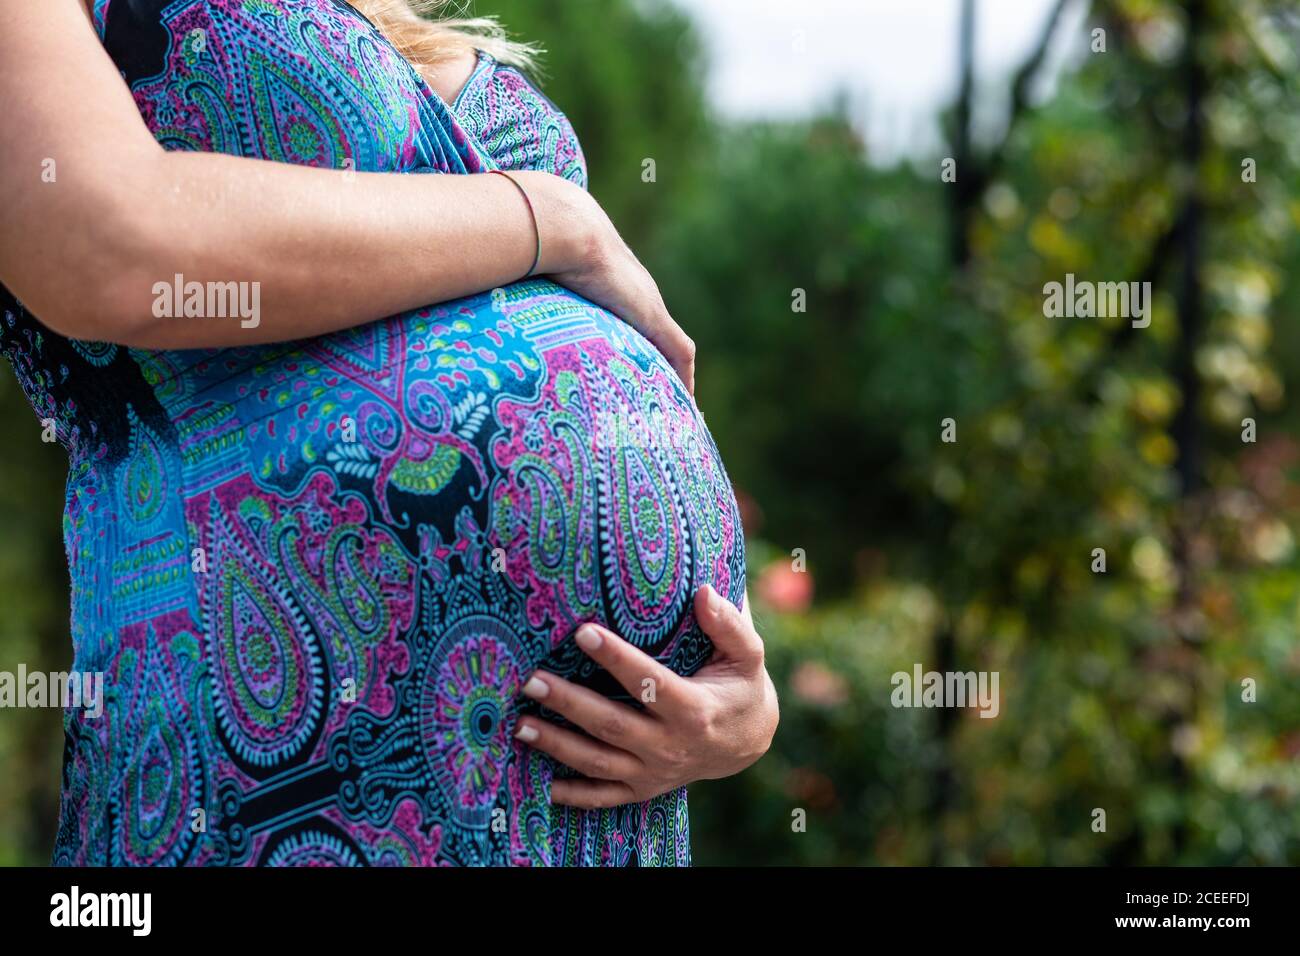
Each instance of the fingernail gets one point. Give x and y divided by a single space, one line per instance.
714 599
536 688
588 638
526 733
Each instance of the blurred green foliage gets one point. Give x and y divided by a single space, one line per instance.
1120 691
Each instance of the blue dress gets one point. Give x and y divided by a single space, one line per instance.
315 574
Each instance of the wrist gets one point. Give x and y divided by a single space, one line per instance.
565 223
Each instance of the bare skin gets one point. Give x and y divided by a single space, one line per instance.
332 251
452 75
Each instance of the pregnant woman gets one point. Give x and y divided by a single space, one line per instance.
371 581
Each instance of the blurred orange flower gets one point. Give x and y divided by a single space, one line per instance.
784 589
818 684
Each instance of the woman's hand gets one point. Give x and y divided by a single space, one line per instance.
582 251
711 725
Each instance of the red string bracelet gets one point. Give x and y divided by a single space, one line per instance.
537 257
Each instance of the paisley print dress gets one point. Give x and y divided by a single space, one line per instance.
315 574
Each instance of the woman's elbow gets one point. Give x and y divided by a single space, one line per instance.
103 292
100 307
90 260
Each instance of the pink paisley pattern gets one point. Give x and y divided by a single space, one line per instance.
315 574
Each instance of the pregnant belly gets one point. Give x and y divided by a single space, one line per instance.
403 520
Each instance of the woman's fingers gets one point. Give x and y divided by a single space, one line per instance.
591 794
590 757
710 725
678 349
731 630
665 334
604 719
636 672
680 352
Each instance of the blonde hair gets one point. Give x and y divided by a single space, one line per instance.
428 39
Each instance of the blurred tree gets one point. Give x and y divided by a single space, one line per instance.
1123 689
33 626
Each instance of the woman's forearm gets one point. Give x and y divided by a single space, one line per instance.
326 249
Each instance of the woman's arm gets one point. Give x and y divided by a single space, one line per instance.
96 212
710 725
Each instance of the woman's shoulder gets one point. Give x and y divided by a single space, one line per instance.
517 123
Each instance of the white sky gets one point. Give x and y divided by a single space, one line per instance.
896 59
